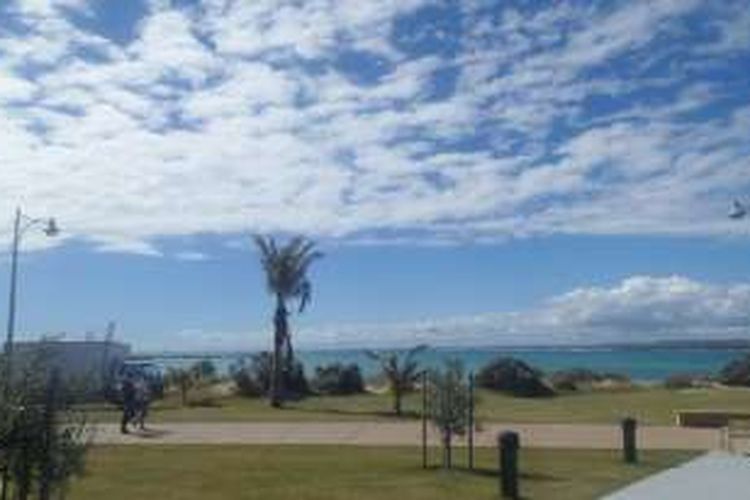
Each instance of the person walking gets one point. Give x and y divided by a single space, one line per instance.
128 403
142 401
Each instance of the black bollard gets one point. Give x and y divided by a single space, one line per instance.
424 419
508 444
629 449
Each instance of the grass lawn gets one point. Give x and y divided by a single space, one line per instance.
650 405
316 472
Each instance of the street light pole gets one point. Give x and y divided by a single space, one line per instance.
19 228
10 331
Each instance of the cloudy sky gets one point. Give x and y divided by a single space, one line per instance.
476 171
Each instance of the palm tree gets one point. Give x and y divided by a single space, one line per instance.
401 371
184 380
286 279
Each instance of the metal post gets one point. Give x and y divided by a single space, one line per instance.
471 421
629 448
424 419
508 445
50 407
12 303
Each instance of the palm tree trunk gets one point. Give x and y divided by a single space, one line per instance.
184 390
397 400
289 358
279 335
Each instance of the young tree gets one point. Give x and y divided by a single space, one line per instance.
400 370
205 371
183 379
286 278
44 442
450 401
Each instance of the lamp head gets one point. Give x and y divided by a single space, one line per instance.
51 229
738 211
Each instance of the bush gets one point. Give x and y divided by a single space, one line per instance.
295 382
683 381
736 372
205 370
254 379
247 385
574 379
338 379
513 377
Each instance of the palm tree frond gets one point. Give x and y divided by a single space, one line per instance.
305 293
373 355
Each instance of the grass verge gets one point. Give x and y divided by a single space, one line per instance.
331 473
652 406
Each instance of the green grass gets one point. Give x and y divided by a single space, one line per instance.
652 406
330 473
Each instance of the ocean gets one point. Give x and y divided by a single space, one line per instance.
642 364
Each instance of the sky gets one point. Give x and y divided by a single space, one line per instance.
476 172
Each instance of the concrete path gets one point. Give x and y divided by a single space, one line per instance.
404 433
716 475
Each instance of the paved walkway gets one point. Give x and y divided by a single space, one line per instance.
716 475
404 433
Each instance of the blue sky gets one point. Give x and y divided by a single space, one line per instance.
476 171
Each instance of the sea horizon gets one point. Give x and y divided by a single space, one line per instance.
641 362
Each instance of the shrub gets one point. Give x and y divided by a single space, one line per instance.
338 379
574 379
254 379
683 381
736 372
513 377
205 370
247 385
44 441
295 382
615 377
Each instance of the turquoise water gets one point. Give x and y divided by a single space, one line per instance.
647 364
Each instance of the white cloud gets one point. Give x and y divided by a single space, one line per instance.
639 309
191 256
233 117
116 245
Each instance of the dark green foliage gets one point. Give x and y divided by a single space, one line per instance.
513 377
246 383
205 370
338 379
295 382
43 441
685 381
253 379
574 379
736 372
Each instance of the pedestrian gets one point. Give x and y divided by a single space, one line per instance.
128 403
141 403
